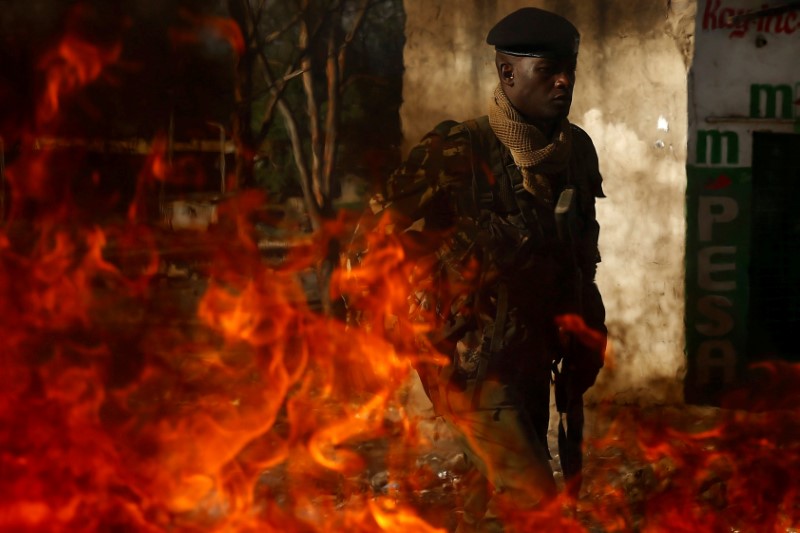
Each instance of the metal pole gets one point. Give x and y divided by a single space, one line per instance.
170 148
221 153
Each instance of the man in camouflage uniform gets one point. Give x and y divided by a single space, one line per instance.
510 198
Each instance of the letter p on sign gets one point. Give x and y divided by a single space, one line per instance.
714 209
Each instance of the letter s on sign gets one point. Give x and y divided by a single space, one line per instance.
721 321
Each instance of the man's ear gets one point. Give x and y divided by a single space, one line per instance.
506 72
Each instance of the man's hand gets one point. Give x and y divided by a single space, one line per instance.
585 349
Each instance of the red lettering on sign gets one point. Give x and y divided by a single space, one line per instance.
742 27
763 22
767 22
788 25
719 17
710 14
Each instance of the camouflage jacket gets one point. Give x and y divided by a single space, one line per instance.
460 194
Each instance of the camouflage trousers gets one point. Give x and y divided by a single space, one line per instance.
503 426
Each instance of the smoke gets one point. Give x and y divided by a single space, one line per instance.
641 275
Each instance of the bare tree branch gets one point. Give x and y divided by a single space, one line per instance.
361 13
300 161
262 5
276 90
274 87
275 35
333 72
298 151
242 132
312 108
317 166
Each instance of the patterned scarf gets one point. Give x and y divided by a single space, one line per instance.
533 153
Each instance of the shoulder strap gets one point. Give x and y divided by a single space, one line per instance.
483 194
495 185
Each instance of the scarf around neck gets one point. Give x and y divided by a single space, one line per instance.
534 154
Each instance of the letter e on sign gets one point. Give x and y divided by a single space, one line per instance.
706 269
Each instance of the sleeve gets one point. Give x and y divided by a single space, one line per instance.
589 253
422 194
418 207
588 358
418 201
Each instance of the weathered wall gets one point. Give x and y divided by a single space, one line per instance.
631 98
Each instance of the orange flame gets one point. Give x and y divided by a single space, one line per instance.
735 475
254 412
71 65
134 401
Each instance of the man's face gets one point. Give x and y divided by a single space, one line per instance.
539 88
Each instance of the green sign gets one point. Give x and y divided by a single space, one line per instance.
717 258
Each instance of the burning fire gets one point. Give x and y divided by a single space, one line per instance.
68 67
126 406
131 401
695 470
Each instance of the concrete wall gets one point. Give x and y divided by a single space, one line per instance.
631 98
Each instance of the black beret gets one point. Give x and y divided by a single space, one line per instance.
535 32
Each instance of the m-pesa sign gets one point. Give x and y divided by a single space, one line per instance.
718 225
745 78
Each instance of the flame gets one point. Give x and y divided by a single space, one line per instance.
587 336
734 473
393 518
68 67
224 402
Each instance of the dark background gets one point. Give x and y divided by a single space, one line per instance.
176 73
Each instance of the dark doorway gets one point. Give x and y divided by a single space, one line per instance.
774 315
